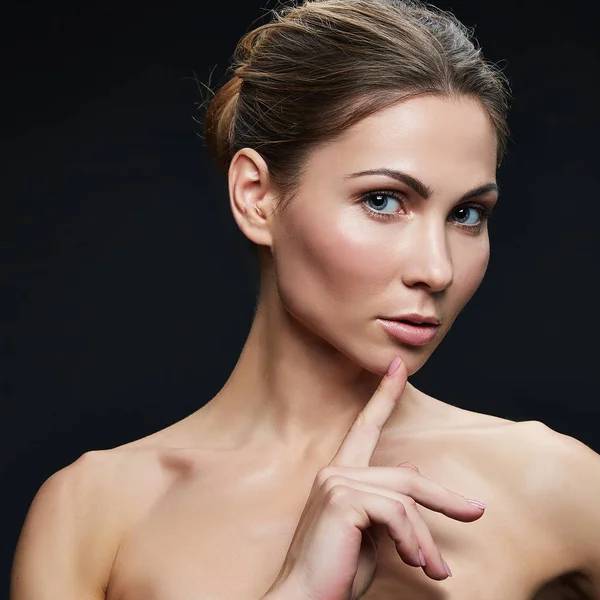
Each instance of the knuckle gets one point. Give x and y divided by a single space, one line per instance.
361 419
409 502
362 423
324 474
366 427
337 495
332 482
399 508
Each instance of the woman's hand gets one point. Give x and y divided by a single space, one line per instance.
334 551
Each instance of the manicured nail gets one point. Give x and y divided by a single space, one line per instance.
447 568
422 558
393 366
476 503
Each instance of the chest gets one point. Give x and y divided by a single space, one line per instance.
222 541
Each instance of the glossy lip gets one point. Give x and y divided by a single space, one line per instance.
413 335
416 318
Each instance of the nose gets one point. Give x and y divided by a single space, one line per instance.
429 263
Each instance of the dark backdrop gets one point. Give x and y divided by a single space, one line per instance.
134 291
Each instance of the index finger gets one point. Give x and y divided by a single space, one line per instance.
362 438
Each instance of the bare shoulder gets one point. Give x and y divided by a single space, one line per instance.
554 464
528 454
127 480
561 480
525 445
554 479
549 471
536 443
499 432
75 523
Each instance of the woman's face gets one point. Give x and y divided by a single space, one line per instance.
351 248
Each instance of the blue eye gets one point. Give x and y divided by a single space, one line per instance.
466 214
378 201
382 205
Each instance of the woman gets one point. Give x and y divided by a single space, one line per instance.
361 140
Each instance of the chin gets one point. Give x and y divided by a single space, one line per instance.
414 357
377 359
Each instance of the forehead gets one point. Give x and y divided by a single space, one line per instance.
448 141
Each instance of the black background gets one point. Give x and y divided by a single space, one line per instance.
134 291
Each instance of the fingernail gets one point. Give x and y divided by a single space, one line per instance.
476 503
447 568
422 558
394 366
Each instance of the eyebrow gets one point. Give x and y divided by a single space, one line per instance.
419 187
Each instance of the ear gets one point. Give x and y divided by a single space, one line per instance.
251 196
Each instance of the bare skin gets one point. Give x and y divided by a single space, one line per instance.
215 522
207 508
220 524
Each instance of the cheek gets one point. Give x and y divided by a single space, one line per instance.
470 266
324 264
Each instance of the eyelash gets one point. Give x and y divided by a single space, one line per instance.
484 213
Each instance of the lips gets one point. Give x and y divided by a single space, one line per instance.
411 322
415 319
416 331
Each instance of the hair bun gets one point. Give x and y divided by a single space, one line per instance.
320 66
219 121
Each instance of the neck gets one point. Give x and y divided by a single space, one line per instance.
292 391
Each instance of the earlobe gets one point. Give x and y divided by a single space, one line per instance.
250 195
